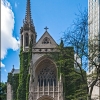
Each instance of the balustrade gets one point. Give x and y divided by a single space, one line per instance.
46 89
53 91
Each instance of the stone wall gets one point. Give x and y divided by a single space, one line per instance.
9 92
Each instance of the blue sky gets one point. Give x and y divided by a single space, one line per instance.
57 15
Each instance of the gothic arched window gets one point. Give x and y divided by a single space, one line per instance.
27 39
32 38
21 40
46 40
47 75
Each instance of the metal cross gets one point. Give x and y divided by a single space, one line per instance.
46 28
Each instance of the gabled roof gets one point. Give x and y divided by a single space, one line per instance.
16 71
40 43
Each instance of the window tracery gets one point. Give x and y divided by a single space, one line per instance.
47 75
46 40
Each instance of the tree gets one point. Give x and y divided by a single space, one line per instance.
13 80
3 91
73 86
77 36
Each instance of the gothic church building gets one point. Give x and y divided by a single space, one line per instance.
43 69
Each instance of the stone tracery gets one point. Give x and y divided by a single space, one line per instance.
46 40
47 75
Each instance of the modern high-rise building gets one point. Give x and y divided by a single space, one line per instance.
94 17
94 40
94 27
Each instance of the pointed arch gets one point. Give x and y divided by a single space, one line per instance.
32 39
21 40
26 39
44 57
45 72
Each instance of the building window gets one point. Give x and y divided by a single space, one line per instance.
27 39
47 75
32 39
46 40
21 40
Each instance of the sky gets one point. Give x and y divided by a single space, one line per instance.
57 15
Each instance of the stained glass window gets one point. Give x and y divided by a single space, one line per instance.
47 75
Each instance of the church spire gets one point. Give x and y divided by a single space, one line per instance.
28 22
28 33
28 13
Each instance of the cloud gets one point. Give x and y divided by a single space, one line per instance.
15 5
1 64
7 26
5 70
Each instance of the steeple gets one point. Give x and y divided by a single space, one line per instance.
28 13
27 31
28 22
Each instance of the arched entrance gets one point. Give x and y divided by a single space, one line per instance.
46 85
45 97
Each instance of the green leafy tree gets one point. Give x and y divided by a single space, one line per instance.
74 88
15 84
77 36
3 91
13 80
25 58
72 83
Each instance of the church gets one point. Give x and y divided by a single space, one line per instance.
37 78
43 69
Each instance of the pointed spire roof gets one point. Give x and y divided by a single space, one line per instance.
28 13
28 22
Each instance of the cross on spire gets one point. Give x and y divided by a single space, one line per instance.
46 28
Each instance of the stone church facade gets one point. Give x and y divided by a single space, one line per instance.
43 69
46 85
